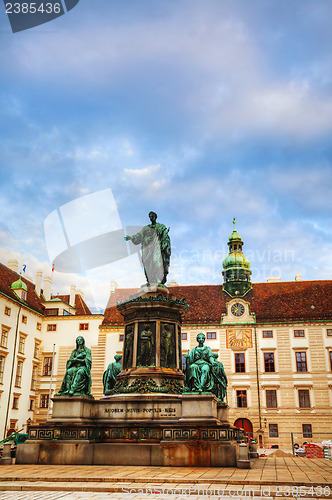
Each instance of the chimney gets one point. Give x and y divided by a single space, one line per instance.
72 295
47 287
298 277
113 285
274 279
39 277
13 265
172 283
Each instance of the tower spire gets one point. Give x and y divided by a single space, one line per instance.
236 266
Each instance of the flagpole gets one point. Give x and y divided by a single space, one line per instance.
50 391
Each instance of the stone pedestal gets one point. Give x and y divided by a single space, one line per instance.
145 419
6 457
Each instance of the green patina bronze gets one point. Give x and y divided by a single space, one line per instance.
156 250
146 352
128 347
167 345
144 385
220 379
203 373
77 379
236 266
110 374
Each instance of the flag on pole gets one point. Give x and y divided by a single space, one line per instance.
53 267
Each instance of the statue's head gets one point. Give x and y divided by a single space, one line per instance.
80 341
153 216
200 337
147 326
117 357
215 355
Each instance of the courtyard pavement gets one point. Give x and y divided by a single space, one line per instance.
270 477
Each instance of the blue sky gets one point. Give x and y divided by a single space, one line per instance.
199 110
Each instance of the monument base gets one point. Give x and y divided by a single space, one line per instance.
135 429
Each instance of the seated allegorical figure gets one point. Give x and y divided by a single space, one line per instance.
110 374
198 369
77 379
220 379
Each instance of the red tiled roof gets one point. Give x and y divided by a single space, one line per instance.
271 302
7 277
80 305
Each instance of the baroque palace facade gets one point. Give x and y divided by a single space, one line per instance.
274 340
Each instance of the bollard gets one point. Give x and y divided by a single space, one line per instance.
243 461
6 458
253 450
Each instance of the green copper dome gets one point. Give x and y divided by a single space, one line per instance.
236 259
19 285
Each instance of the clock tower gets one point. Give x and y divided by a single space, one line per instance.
236 266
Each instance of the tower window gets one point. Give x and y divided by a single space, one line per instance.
240 362
211 335
271 398
269 361
301 362
241 399
273 430
307 430
304 398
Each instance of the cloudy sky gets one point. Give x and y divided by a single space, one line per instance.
199 110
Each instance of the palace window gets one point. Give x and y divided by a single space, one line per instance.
239 362
301 361
2 367
44 399
47 366
267 334
51 327
121 337
19 369
4 337
330 355
21 344
34 377
271 398
329 332
15 402
36 350
307 430
269 361
7 311
39 326
24 319
211 335
52 312
298 333
273 430
31 404
304 398
184 336
241 399
84 326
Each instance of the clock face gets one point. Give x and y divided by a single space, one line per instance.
237 309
